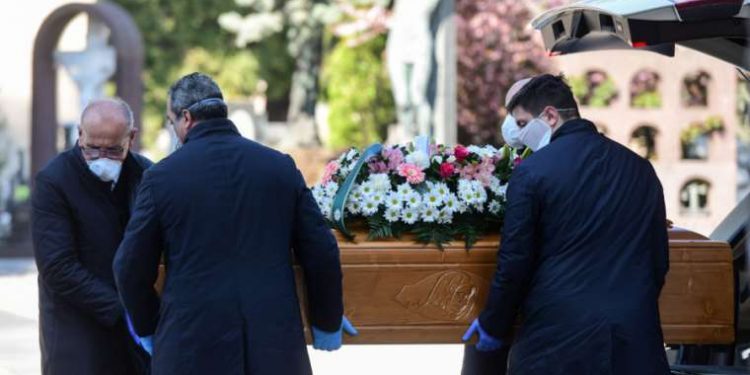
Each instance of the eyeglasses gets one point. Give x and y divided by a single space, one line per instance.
114 153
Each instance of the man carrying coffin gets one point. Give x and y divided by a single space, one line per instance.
81 204
584 249
225 213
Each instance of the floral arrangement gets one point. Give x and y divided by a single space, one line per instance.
594 89
435 192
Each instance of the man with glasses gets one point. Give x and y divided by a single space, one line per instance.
225 214
81 204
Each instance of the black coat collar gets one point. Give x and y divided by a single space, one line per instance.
132 170
211 127
574 126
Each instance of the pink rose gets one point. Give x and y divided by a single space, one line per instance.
461 153
330 170
447 170
411 172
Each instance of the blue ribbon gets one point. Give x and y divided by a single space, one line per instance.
339 201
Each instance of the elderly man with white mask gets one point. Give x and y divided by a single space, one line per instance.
81 203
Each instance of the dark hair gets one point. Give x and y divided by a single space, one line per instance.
192 91
546 90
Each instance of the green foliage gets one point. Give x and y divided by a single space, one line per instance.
713 124
646 100
183 35
597 94
357 89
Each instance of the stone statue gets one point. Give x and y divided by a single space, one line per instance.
91 68
410 52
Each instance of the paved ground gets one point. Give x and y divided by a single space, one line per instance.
19 348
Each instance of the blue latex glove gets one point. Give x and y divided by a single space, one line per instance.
330 341
486 342
147 343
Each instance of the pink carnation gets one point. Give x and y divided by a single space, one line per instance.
330 170
394 156
447 170
411 172
461 153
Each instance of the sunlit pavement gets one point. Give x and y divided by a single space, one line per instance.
19 344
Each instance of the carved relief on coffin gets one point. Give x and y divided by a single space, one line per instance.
446 295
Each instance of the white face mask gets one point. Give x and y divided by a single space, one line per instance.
107 170
536 134
511 132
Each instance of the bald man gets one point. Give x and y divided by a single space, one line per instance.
81 204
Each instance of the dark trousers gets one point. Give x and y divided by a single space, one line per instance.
484 363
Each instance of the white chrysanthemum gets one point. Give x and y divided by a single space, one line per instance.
494 207
437 159
445 216
331 188
419 158
429 214
318 192
451 159
392 215
451 203
433 199
380 182
485 152
369 207
378 198
410 216
441 189
404 190
466 192
367 189
355 207
351 154
393 201
356 194
413 200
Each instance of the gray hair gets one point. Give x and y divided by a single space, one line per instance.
190 93
120 104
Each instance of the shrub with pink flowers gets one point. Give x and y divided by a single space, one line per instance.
438 194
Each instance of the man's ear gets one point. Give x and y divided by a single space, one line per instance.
188 120
133 133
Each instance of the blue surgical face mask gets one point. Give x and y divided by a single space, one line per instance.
107 170
511 132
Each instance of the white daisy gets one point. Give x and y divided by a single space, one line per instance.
442 189
392 215
451 203
413 200
404 190
355 207
494 207
393 201
378 198
331 188
409 216
433 199
429 214
445 216
369 207
367 189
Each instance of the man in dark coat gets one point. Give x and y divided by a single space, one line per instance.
81 206
584 249
225 213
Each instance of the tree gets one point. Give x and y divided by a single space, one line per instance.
496 47
303 22
184 36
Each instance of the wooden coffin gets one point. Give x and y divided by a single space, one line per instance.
403 292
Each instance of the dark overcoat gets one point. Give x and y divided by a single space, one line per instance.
78 222
225 213
583 258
